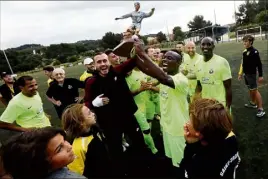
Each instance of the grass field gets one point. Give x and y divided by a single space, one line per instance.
251 131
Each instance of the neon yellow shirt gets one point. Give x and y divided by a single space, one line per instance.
80 146
28 112
134 83
49 81
211 75
189 65
85 75
174 105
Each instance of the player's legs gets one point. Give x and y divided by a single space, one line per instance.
255 95
251 87
145 127
174 147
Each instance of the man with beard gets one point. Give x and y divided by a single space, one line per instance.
64 91
188 66
180 48
213 75
88 62
26 108
9 89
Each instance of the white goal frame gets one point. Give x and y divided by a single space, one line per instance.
249 31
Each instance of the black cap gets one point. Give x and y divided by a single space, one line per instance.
108 51
4 74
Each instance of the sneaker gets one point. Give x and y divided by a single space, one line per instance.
260 113
251 105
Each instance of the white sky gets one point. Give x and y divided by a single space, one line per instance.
50 22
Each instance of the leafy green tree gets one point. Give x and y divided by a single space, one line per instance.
178 33
161 37
198 22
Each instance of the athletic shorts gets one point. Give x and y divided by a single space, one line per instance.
174 147
136 26
251 81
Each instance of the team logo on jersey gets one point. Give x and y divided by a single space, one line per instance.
70 87
211 71
115 78
164 94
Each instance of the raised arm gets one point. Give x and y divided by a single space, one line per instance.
124 16
145 15
145 64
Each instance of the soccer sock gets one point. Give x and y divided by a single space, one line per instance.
150 143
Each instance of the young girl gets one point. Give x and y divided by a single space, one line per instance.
211 147
40 153
89 145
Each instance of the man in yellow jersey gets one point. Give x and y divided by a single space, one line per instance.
188 66
137 88
88 62
26 108
48 72
174 107
9 89
213 75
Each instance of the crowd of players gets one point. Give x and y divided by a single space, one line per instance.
110 127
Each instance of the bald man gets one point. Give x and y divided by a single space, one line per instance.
213 75
64 91
188 66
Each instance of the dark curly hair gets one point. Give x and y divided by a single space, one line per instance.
24 155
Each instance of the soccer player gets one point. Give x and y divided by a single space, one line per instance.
135 81
9 89
48 72
213 75
188 66
88 62
137 17
26 108
174 107
250 62
64 91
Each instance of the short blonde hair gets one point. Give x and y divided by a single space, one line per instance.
73 120
211 119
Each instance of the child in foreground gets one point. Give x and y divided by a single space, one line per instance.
211 147
40 153
89 144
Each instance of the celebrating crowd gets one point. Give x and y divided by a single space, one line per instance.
108 132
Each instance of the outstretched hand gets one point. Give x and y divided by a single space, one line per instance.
153 9
116 19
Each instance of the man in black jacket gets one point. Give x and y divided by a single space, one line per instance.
9 89
107 93
250 63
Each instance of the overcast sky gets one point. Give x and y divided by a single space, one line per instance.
50 22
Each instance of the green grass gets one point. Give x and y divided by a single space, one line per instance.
252 132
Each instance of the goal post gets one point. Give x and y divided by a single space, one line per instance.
256 32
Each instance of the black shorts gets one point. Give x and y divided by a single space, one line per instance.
251 81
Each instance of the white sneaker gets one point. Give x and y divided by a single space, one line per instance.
260 113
